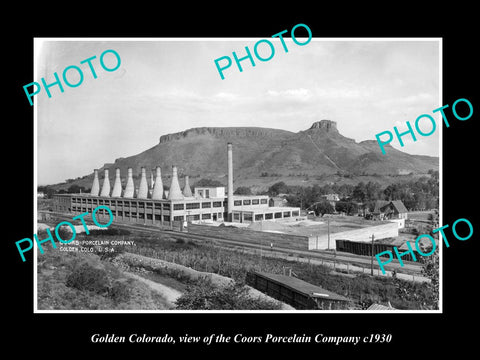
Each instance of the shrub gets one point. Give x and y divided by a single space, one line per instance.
205 296
119 292
109 231
106 254
87 277
243 190
63 233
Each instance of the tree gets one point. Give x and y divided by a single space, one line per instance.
208 183
369 205
348 207
326 189
434 174
431 202
47 190
234 296
360 192
420 200
323 207
73 189
372 191
392 192
430 269
294 200
344 190
243 190
278 188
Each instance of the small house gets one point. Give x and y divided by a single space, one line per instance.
385 210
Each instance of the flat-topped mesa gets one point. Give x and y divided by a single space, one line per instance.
233 132
328 125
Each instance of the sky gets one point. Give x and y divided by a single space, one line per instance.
164 86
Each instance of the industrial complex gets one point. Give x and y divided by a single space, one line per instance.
154 205
149 203
248 221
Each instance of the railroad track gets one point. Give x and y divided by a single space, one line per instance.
323 255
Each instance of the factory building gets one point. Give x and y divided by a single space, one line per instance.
155 206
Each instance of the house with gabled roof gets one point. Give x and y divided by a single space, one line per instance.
394 209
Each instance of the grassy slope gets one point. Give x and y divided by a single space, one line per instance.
54 268
314 152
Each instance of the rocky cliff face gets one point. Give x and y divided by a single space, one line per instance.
223 132
263 156
327 125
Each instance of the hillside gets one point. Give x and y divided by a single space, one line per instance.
263 156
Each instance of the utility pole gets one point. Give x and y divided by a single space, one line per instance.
261 247
328 232
371 260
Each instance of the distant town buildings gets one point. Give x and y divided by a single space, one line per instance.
331 197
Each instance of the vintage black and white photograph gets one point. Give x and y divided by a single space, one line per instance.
233 174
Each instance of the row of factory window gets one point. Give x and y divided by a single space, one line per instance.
132 214
249 202
150 205
247 216
166 206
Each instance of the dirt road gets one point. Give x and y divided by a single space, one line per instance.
169 294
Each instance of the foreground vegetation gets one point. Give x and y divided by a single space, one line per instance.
362 289
91 281
205 296
79 281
